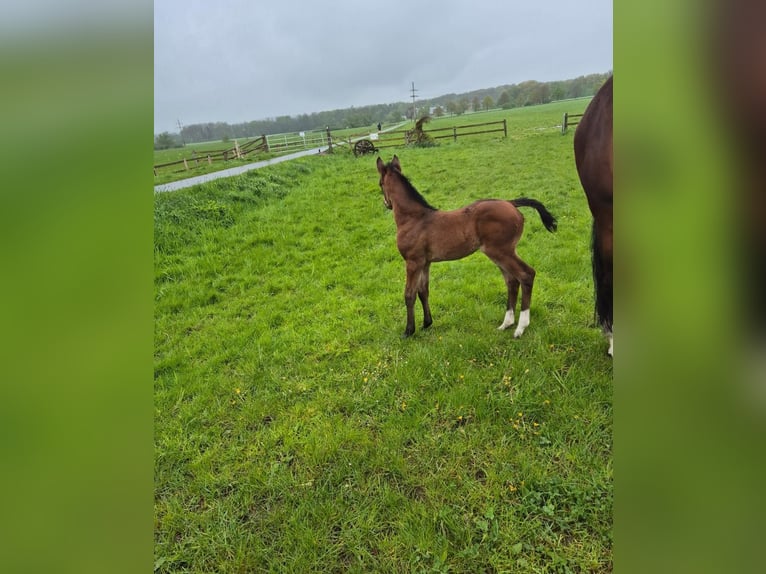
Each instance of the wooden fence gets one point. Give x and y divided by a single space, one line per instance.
403 137
567 121
284 143
260 144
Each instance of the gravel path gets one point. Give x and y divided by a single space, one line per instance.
239 170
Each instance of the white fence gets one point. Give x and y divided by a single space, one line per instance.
296 141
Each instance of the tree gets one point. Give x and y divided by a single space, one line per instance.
475 104
165 141
506 96
438 111
557 91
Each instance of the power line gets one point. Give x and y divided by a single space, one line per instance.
413 92
181 131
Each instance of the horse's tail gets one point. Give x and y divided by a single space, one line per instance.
548 220
602 282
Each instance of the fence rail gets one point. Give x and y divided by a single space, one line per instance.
567 121
277 144
209 156
296 141
402 137
285 143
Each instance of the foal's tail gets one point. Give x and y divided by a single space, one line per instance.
548 220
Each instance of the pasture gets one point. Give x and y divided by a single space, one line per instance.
200 166
296 431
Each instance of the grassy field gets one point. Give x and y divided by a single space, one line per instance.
522 118
295 431
176 172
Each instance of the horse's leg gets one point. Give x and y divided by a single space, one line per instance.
603 274
513 294
411 288
525 275
611 343
516 273
423 295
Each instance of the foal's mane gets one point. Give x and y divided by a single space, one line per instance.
411 191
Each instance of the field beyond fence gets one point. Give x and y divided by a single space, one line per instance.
206 160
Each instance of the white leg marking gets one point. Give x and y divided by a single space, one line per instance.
611 344
523 323
508 321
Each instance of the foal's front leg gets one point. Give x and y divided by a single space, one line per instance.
411 290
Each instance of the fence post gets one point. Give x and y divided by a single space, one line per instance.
209 161
454 133
265 143
186 165
236 149
329 140
505 128
564 123
155 172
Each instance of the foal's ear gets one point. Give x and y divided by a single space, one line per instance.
395 164
381 166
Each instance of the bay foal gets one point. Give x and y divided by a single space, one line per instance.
425 235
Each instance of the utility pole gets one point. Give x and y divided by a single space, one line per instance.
413 92
181 132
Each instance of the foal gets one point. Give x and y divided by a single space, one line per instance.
425 234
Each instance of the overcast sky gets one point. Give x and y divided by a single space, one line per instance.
242 60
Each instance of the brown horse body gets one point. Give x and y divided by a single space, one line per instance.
594 159
425 235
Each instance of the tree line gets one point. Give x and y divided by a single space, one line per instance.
507 96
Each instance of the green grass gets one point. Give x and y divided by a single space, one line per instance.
296 431
200 167
535 118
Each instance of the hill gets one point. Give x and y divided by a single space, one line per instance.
506 96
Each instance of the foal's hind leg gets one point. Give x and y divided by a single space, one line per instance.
526 276
513 294
517 273
423 296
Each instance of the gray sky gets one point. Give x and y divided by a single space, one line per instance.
242 60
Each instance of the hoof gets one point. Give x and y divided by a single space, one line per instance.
523 324
508 321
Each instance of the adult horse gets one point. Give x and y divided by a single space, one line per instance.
425 235
594 159
738 50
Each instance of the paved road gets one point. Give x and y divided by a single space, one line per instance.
239 170
182 183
